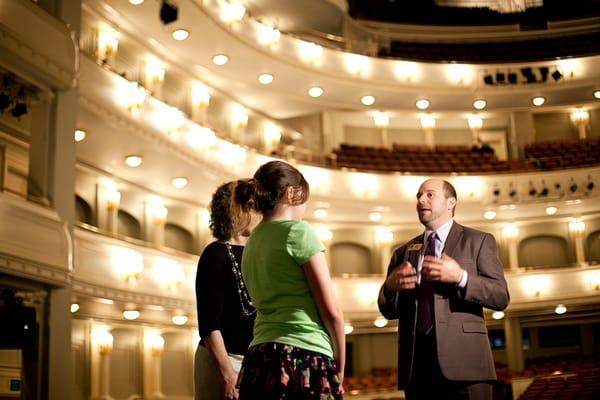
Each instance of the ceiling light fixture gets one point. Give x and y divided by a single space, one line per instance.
538 101
380 322
320 213
422 104
375 216
497 315
79 135
479 104
136 2
179 182
180 34
560 309
134 161
131 314
551 210
220 59
489 215
367 100
179 319
315 92
597 94
265 79
348 328
74 307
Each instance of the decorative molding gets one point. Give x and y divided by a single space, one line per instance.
89 289
33 270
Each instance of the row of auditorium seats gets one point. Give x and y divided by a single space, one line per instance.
460 158
584 385
564 154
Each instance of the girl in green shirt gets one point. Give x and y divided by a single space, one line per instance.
298 350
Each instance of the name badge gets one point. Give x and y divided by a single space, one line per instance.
415 247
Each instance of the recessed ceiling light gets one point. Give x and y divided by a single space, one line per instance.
551 210
490 214
180 34
375 216
597 94
538 101
422 104
180 182
348 328
265 79
74 307
320 213
179 319
380 322
79 135
560 309
134 161
220 59
479 104
497 315
315 92
136 2
367 100
131 314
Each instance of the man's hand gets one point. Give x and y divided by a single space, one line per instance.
403 277
231 392
444 269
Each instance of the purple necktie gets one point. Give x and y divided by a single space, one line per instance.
425 293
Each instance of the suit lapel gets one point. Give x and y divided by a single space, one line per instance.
453 236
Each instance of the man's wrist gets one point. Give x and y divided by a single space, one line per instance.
464 277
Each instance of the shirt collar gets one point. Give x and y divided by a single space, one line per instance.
442 232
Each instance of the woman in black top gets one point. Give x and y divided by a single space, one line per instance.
225 312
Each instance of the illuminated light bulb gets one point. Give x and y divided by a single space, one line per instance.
380 322
265 79
268 36
381 119
479 104
220 59
232 12
320 213
348 328
179 319
551 210
131 314
74 307
179 182
180 34
497 315
538 101
422 104
79 135
475 122
315 92
490 214
367 100
560 309
134 161
375 216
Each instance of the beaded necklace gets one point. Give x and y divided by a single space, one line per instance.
245 302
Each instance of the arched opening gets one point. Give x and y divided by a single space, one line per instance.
178 238
350 258
128 225
543 250
83 211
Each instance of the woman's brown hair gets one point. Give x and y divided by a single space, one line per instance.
270 184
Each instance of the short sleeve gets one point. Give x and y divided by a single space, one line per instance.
303 242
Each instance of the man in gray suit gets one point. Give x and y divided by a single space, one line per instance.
437 285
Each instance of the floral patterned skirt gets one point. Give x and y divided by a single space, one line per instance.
275 371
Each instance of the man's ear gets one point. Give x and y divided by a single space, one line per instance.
452 202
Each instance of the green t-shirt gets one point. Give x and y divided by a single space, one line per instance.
272 269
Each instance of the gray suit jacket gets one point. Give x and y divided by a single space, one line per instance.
463 347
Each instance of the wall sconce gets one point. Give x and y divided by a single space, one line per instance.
310 52
536 285
271 136
168 273
427 122
381 120
203 216
135 96
383 236
357 64
406 70
580 118
268 36
156 343
459 74
239 118
510 232
231 154
130 263
157 210
107 44
324 234
154 73
594 279
104 339
232 13
364 185
200 99
577 227
200 137
380 322
113 199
